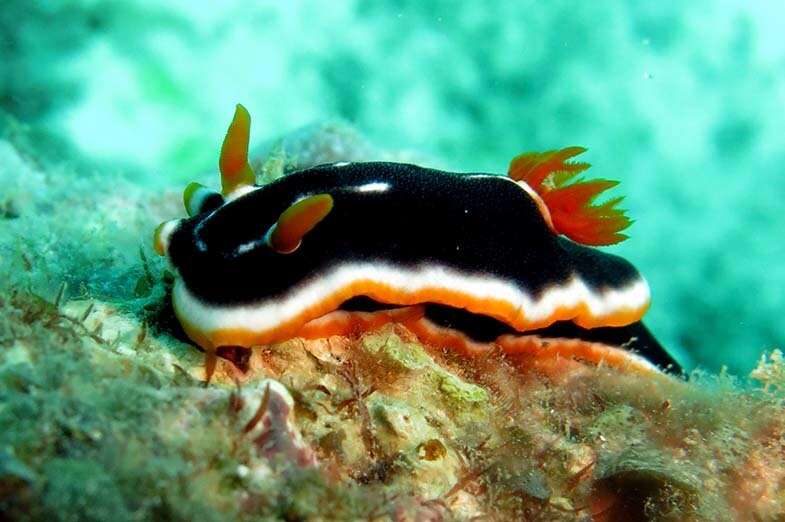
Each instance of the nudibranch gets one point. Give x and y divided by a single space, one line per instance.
462 260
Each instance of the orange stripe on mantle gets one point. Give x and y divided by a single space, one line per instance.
499 309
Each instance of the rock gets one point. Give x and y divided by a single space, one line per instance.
103 413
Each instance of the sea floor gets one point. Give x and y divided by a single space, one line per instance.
104 414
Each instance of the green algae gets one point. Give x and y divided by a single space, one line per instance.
96 435
460 392
770 371
413 357
397 353
84 423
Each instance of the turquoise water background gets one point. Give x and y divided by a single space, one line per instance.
683 104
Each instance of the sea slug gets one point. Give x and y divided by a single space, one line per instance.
463 260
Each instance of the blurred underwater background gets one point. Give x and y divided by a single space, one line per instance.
109 108
681 103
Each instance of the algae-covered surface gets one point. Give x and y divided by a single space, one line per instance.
104 414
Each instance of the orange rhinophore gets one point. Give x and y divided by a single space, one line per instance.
570 202
296 221
233 163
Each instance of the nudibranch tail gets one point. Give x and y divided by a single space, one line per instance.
233 163
570 202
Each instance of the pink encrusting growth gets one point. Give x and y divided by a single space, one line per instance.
272 428
570 201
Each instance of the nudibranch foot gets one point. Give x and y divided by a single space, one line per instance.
534 348
632 349
257 265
